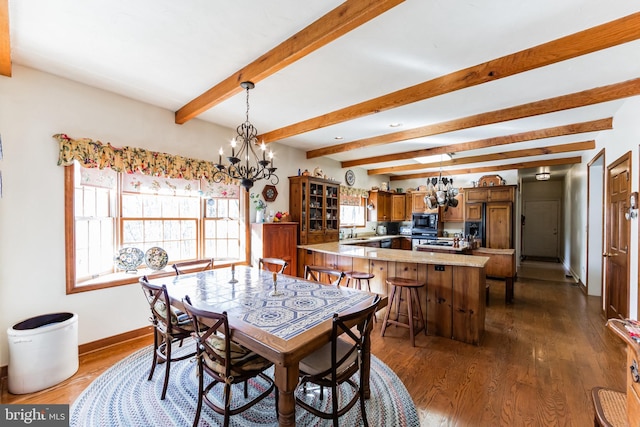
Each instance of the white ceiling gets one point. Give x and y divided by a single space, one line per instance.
167 52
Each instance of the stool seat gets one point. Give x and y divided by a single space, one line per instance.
401 281
610 407
397 285
359 275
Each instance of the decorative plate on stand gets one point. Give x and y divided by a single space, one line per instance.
128 259
156 258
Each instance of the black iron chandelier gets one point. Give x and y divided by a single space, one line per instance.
244 164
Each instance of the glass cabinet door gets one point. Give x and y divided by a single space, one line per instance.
316 206
332 207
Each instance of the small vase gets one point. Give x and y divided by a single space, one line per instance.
259 216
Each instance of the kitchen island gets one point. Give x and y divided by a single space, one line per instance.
453 300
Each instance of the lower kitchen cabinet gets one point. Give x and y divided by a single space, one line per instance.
275 240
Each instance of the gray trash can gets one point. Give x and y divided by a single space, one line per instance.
43 351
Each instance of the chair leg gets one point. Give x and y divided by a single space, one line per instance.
168 368
227 403
363 411
200 391
334 403
155 354
410 314
416 294
386 315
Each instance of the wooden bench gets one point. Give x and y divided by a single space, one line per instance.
502 265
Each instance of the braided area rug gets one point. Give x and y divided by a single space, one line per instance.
122 396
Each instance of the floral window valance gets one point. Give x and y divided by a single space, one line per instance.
95 154
352 196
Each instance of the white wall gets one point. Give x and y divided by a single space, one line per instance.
33 107
624 137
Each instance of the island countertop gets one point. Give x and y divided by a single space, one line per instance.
398 255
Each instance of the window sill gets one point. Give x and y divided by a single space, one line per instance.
122 278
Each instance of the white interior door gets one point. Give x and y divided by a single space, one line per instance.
540 231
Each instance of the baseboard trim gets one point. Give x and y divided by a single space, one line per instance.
99 344
113 340
583 287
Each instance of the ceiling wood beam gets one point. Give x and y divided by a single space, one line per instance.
344 18
603 36
571 129
5 43
545 106
527 152
520 165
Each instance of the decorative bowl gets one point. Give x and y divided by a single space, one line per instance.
128 259
156 258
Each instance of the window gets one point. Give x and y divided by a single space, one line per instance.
352 216
107 211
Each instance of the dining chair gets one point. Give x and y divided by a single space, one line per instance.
272 264
170 326
193 266
326 275
333 365
226 362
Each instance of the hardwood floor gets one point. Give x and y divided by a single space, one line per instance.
537 363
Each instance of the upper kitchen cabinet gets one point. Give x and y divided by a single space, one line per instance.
398 207
381 202
418 204
503 193
314 203
451 214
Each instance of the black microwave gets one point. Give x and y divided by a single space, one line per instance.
424 222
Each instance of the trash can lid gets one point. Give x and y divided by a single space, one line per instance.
42 320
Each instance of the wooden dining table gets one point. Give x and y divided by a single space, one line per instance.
283 328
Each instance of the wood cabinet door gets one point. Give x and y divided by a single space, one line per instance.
405 243
473 212
468 304
384 213
280 241
500 194
439 300
397 207
407 207
498 225
456 214
475 195
417 202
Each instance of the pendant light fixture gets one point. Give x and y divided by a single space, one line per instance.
244 164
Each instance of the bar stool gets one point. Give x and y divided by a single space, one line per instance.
397 285
358 277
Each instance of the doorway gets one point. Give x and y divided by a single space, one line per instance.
595 224
541 224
